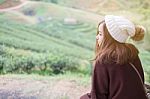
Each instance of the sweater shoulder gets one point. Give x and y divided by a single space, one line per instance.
102 66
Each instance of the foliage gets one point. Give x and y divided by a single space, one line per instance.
54 47
19 63
2 1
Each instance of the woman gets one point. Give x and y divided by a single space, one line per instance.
113 76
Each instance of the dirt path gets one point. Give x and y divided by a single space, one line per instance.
29 87
23 2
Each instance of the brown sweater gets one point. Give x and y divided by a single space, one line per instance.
112 81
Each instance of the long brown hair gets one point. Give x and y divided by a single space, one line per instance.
111 51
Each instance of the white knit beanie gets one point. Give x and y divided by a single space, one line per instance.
119 27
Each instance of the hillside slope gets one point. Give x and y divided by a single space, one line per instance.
42 27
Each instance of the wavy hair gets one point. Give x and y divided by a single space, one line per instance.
111 51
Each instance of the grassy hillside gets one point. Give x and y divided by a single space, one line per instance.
53 41
36 37
39 41
136 10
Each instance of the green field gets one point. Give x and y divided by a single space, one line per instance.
50 43
30 42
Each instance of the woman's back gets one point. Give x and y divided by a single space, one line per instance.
112 81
